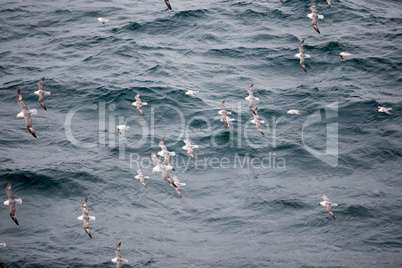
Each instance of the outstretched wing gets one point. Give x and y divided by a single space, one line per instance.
139 109
40 83
84 207
302 64
137 97
329 210
258 126
41 98
117 251
8 191
314 23
223 106
162 144
190 153
86 228
251 104
139 172
12 213
313 8
168 4
301 48
20 102
250 90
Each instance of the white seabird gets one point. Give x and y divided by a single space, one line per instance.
293 112
118 259
41 93
326 203
161 168
123 127
224 114
384 110
11 201
314 17
251 97
344 54
2 245
329 3
178 184
85 217
191 93
302 56
166 154
168 4
189 147
257 121
141 177
26 113
103 20
138 103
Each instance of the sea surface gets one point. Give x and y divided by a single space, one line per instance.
249 200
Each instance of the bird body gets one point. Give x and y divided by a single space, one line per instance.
345 54
293 112
103 20
191 93
122 127
384 110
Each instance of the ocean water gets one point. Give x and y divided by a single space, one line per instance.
249 200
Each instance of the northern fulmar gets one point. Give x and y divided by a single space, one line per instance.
41 93
302 56
85 217
11 201
328 205
118 259
225 118
26 113
138 103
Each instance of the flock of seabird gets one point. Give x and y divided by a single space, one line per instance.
160 166
314 16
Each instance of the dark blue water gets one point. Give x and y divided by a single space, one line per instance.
249 200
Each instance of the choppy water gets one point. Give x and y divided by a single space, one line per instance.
249 200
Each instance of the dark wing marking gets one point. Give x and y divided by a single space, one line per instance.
117 251
302 64
301 49
168 4
40 83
